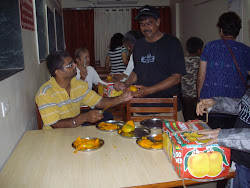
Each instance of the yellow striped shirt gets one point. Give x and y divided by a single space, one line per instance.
55 104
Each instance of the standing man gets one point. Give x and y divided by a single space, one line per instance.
59 99
159 61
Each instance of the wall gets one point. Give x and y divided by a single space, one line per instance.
20 90
192 19
82 3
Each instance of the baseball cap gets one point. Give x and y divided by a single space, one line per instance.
148 10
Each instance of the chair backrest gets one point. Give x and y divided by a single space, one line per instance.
171 111
102 70
40 121
97 63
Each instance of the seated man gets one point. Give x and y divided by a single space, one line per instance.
60 98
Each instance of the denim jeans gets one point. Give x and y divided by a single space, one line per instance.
242 177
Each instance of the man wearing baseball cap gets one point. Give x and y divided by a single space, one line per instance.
159 61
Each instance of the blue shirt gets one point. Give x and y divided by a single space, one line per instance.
222 77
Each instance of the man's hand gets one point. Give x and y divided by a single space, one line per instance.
209 134
204 104
142 91
119 86
126 96
92 116
83 72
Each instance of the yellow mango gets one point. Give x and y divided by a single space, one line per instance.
127 128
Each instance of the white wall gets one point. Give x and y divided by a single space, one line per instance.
192 19
20 90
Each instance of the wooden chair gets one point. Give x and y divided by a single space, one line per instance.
119 112
39 118
171 110
97 63
102 70
103 76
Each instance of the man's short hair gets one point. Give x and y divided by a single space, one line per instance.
132 36
147 12
194 44
230 23
55 61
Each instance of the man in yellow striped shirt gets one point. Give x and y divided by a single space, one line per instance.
59 99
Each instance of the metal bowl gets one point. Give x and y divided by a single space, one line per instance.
137 133
101 143
119 124
150 137
155 125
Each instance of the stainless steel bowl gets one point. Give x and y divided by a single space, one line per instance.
119 124
150 137
101 143
137 133
155 125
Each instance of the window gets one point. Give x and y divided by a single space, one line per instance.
49 29
11 48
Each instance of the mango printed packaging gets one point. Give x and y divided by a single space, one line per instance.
107 90
189 158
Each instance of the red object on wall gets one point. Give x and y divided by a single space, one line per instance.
165 16
27 15
79 31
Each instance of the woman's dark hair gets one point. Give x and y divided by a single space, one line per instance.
116 41
194 44
230 23
131 36
55 61
80 51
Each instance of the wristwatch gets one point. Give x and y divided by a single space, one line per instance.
74 122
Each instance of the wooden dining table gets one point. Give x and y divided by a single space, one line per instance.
45 158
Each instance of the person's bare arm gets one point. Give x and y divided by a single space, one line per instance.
92 116
107 101
131 79
169 82
201 77
123 85
125 57
107 62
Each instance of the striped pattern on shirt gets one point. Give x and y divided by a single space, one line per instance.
55 104
117 64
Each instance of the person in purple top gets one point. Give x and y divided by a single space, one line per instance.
218 75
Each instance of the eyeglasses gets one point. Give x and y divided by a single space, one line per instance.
70 64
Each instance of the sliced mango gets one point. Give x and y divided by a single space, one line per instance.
131 123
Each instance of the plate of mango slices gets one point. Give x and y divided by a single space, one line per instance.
110 125
87 144
151 142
